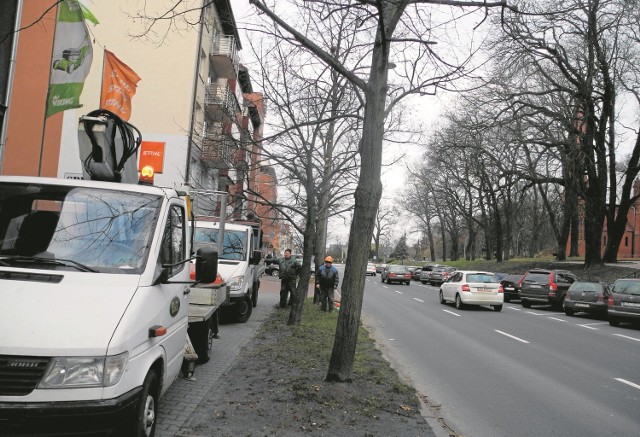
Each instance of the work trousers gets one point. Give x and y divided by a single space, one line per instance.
287 291
326 298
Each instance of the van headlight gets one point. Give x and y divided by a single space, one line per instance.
66 372
236 283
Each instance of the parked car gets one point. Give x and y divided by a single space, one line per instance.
588 297
545 287
472 288
509 285
380 267
440 275
415 275
425 273
396 273
624 302
271 266
371 269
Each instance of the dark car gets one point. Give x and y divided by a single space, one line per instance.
398 274
624 302
440 275
380 267
509 285
425 273
271 266
588 297
545 287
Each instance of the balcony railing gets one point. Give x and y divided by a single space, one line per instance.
220 103
218 148
224 56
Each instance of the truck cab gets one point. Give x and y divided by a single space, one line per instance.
239 261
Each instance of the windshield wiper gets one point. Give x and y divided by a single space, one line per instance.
51 261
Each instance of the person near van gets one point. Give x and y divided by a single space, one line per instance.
289 269
327 281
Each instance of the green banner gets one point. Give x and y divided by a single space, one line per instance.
71 60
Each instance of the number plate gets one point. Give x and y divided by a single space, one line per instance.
581 305
630 304
535 286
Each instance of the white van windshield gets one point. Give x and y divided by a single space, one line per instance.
234 247
87 229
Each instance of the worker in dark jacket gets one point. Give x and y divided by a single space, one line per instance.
289 269
327 281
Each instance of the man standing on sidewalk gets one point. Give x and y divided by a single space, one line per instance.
327 281
289 269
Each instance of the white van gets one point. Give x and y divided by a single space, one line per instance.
94 299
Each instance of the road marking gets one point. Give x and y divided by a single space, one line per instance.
451 312
627 337
399 292
629 383
514 308
511 336
419 300
590 325
559 320
536 314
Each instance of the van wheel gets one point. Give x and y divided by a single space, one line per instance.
614 322
568 311
243 310
498 308
525 303
442 301
201 335
148 406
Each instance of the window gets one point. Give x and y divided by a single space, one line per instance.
173 241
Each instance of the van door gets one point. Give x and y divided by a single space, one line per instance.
175 315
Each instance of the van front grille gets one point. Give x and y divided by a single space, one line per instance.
20 375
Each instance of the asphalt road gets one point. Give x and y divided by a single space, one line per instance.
515 373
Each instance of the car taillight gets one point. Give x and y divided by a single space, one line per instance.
552 285
393 275
500 289
465 287
610 301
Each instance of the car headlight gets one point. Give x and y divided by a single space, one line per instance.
235 284
66 372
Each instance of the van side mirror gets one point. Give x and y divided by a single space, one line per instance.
206 265
255 257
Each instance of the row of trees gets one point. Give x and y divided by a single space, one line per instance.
536 147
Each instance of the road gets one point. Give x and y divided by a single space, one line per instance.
514 373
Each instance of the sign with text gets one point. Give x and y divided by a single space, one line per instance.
152 153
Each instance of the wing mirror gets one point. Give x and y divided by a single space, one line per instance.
206 265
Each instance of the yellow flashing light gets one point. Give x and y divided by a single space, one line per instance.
146 175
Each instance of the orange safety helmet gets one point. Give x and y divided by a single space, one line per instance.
328 259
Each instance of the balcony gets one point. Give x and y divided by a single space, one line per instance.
224 56
220 103
218 148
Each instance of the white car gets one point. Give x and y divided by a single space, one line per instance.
371 269
472 288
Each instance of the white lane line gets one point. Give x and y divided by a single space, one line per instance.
559 320
419 300
384 286
536 314
514 308
589 327
629 383
595 324
451 312
511 336
627 337
399 292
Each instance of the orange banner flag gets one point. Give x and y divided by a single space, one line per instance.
119 83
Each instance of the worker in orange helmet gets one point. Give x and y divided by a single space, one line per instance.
327 280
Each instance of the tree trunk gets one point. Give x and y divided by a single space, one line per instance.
367 199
